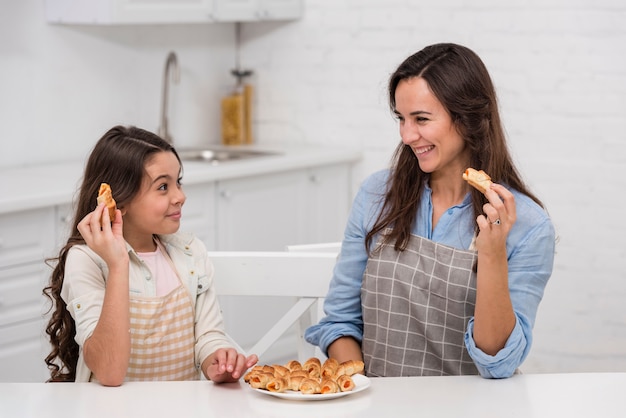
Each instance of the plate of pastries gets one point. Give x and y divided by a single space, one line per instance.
310 381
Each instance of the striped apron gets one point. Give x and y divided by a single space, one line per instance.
416 306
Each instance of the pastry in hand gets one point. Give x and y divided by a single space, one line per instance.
105 196
478 179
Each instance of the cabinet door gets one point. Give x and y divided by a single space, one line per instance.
129 11
26 236
251 10
236 10
261 213
199 213
328 203
21 295
281 9
23 349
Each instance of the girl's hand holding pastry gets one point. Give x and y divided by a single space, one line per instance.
104 237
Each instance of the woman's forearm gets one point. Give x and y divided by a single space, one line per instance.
345 348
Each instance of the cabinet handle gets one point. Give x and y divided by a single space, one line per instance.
313 178
226 194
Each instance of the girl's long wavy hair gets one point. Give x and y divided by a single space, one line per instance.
118 158
461 82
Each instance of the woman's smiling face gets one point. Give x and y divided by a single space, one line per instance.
426 126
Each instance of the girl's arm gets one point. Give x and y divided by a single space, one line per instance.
107 350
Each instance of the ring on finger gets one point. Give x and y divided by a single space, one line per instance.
496 222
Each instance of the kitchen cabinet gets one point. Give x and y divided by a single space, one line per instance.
199 213
254 10
26 239
261 213
268 212
169 11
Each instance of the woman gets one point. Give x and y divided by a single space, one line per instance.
435 278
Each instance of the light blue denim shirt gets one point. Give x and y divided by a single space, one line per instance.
530 251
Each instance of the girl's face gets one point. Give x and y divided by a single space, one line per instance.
427 128
156 209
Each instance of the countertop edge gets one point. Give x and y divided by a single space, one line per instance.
55 184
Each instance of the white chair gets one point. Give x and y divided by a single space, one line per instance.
299 276
323 247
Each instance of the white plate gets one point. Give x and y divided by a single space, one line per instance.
360 383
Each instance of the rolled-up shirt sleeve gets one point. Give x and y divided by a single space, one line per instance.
83 290
530 266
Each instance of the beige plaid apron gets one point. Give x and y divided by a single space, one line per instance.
416 306
162 336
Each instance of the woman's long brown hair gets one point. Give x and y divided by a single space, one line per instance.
118 158
461 82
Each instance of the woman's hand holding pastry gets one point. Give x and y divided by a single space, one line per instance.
227 365
499 216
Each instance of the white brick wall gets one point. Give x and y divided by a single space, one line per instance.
560 70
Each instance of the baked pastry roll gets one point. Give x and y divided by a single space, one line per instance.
310 386
295 382
478 179
349 368
259 380
345 383
105 196
313 367
328 386
280 371
294 365
329 368
299 373
277 384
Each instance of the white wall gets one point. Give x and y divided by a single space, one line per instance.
559 66
560 70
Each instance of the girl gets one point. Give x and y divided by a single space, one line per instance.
133 298
435 278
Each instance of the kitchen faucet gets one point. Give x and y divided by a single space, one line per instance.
171 61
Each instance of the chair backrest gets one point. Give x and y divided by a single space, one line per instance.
322 247
301 276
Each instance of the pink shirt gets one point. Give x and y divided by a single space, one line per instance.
162 271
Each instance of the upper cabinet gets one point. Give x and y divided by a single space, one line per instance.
253 10
112 12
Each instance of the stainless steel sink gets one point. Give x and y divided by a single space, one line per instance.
218 155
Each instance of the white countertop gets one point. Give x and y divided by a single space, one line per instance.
528 396
47 185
